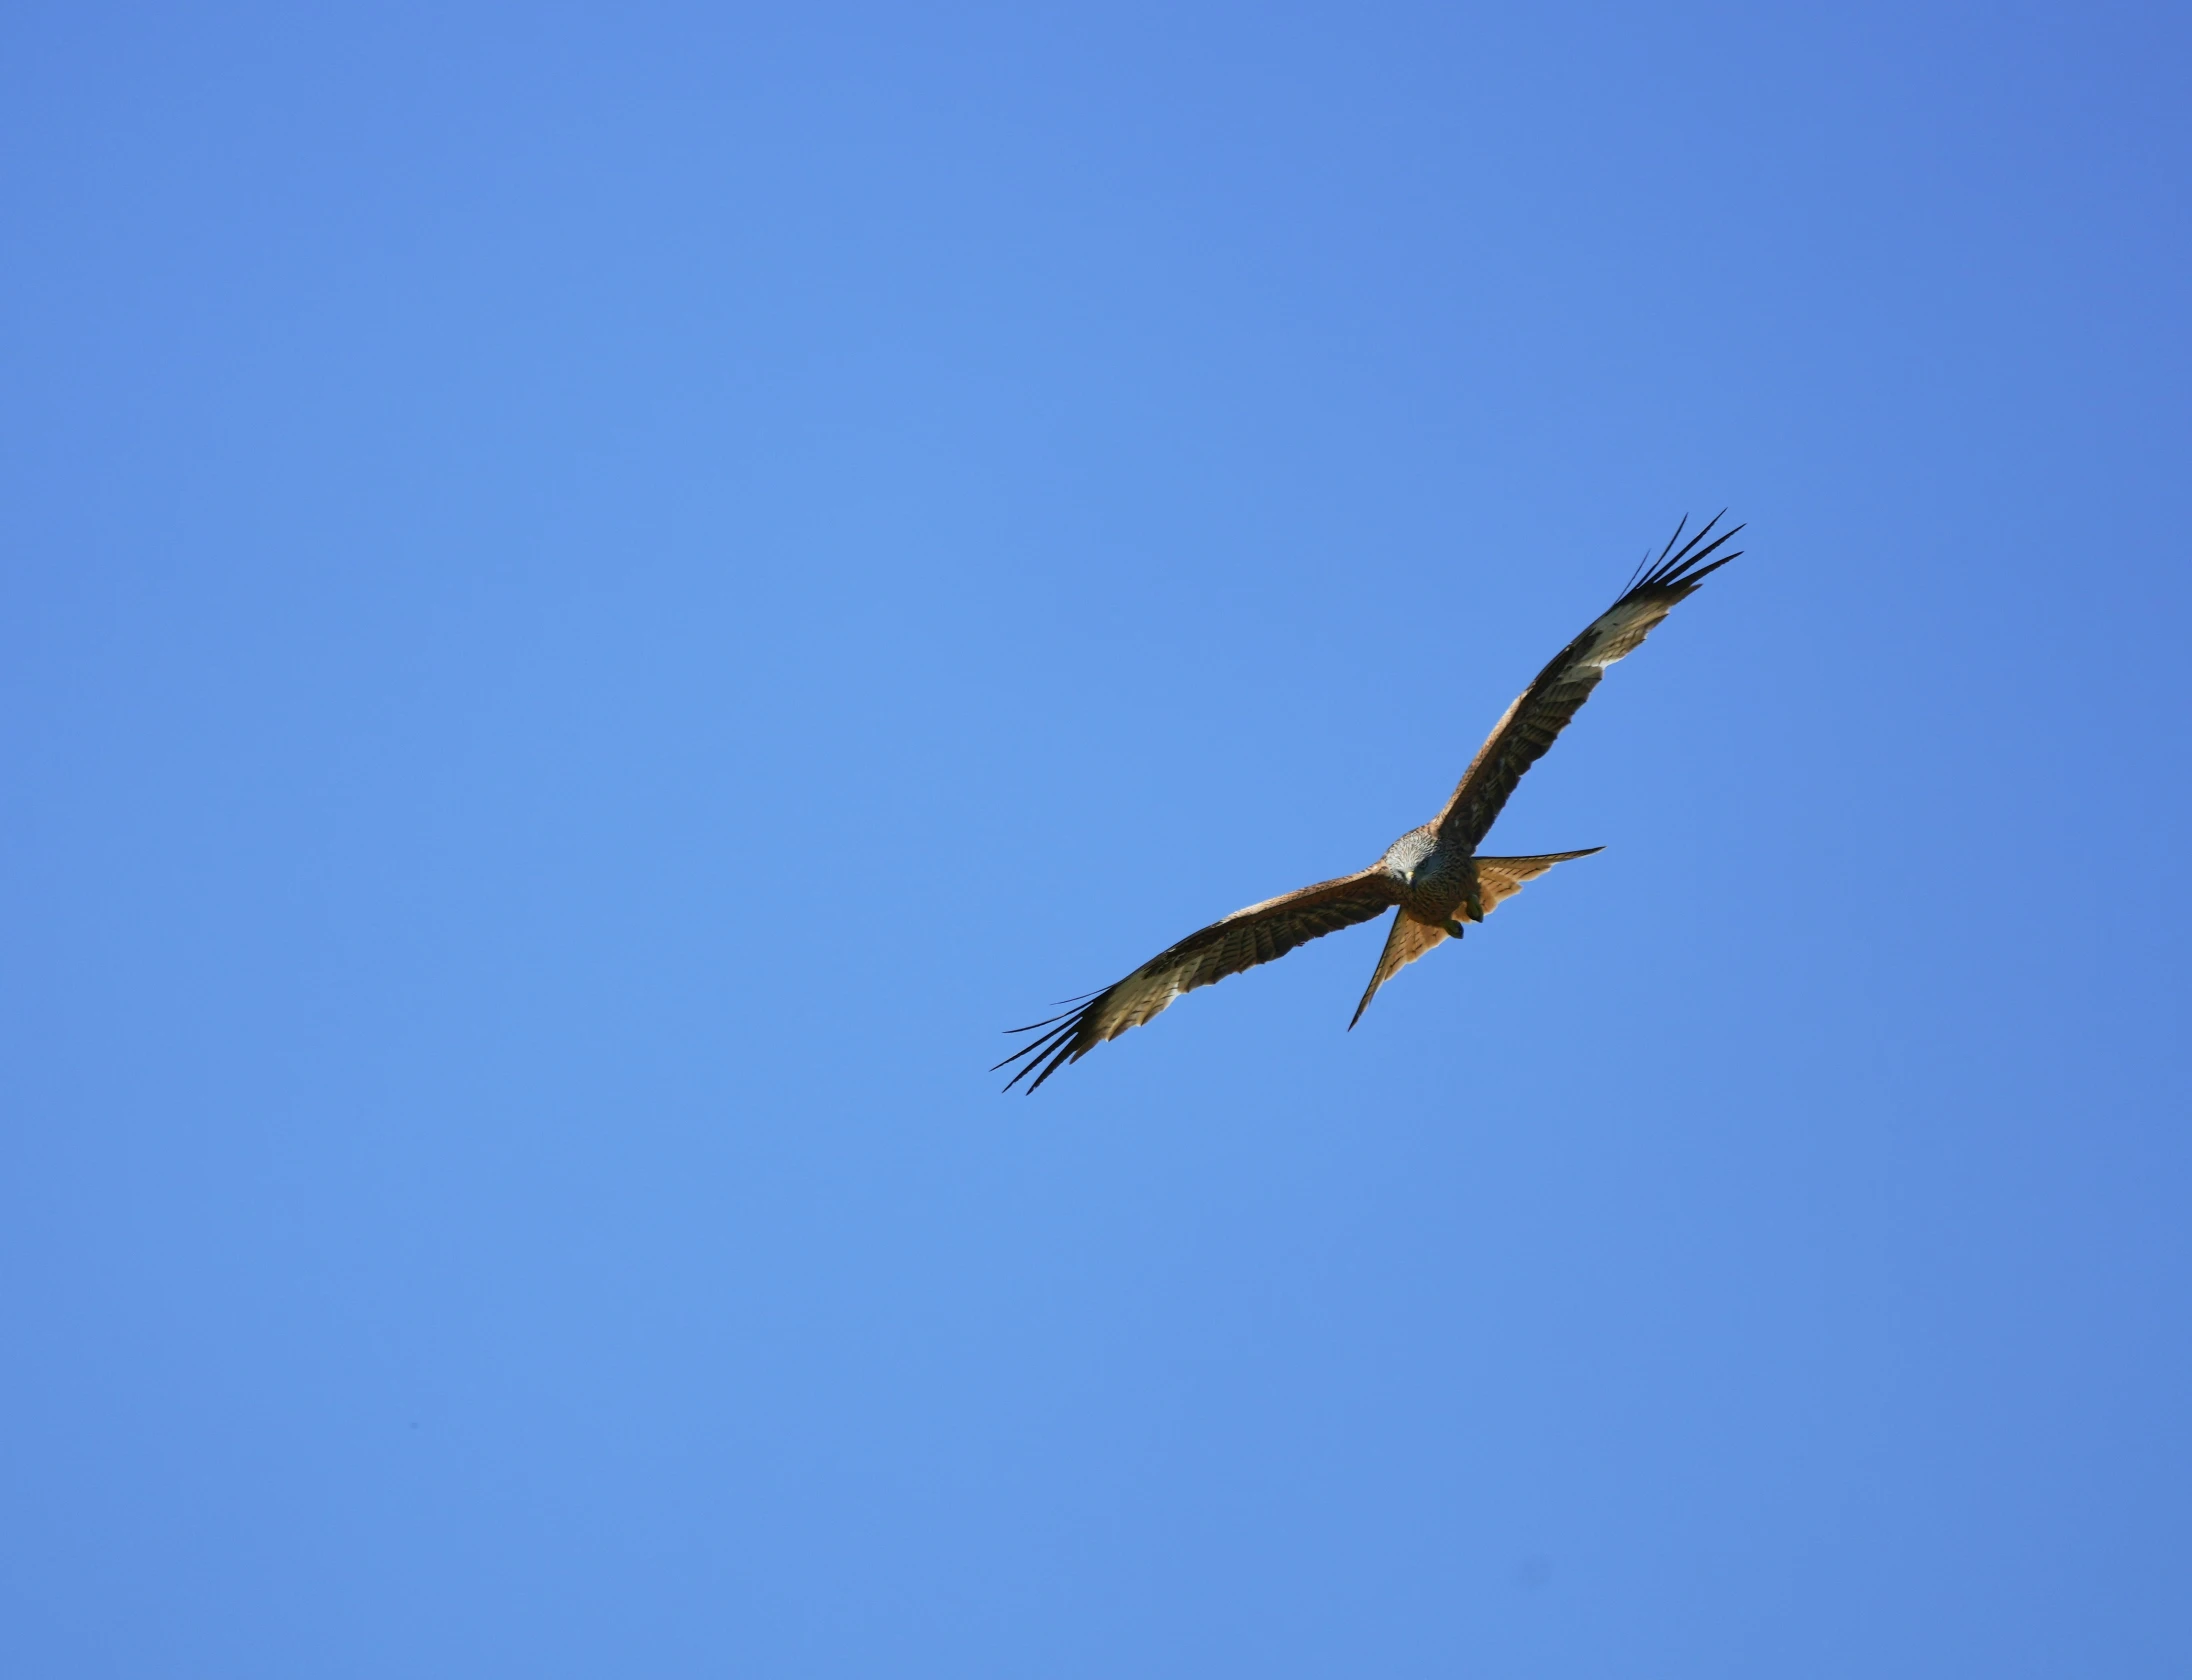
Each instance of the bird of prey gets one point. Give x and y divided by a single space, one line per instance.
1431 876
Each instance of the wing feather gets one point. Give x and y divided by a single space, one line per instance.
1542 711
1259 934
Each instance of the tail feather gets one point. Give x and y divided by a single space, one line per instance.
1502 877
1408 941
1498 878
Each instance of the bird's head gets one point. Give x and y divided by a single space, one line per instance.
1405 855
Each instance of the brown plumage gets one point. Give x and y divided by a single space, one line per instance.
1431 874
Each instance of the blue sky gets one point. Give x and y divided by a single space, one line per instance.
595 598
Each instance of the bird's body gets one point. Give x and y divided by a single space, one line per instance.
1433 877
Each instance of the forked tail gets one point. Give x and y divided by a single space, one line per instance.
1497 878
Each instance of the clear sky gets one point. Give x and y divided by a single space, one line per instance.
593 598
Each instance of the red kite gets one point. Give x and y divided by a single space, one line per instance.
1430 875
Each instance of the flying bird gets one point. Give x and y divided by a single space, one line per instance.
1430 877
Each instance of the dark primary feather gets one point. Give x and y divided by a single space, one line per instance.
1542 710
1258 934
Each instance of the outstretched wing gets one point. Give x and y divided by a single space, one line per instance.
1520 738
1258 934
